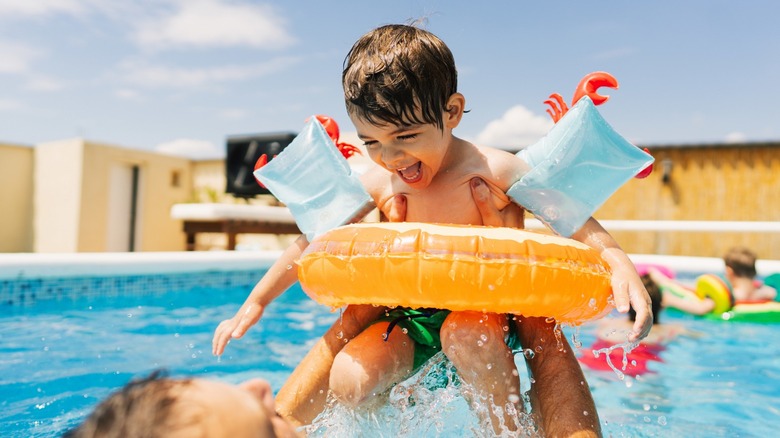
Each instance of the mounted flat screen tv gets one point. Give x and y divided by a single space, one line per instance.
242 154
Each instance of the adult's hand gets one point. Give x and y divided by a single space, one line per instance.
511 216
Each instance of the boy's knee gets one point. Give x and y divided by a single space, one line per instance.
347 381
472 331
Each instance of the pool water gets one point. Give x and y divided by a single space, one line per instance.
58 358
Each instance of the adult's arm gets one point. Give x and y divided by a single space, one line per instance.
561 401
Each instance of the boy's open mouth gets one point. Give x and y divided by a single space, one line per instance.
410 174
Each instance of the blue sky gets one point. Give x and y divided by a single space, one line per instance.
182 75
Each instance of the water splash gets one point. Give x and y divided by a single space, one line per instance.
429 403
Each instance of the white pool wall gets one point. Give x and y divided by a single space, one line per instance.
109 264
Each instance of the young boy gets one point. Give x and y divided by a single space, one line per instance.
400 87
741 273
158 406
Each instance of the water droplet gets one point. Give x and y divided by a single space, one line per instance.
489 366
646 407
514 398
585 413
384 336
662 420
289 267
480 343
483 337
405 331
538 349
528 353
505 328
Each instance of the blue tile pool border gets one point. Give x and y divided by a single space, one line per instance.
26 279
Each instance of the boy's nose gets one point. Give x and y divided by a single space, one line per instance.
392 158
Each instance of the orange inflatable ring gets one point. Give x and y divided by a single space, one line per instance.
489 269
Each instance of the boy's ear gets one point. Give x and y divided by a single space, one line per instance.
453 112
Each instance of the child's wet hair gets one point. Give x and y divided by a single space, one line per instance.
399 75
742 261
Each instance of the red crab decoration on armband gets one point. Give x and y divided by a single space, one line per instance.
588 86
332 128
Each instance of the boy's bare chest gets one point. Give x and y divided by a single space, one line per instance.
447 202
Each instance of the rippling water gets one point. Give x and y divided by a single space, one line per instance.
59 358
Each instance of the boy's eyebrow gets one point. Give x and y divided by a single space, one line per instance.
397 131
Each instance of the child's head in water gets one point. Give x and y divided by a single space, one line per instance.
655 299
160 406
400 88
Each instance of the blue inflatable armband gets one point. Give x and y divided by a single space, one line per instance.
313 179
580 163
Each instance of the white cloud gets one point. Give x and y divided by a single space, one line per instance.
736 137
9 105
518 127
44 83
36 8
213 23
127 94
180 77
16 57
190 148
232 113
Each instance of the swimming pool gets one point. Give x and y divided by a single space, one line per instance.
72 339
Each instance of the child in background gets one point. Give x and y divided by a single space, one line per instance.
400 86
739 275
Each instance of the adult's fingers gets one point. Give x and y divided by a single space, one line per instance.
512 215
397 211
491 216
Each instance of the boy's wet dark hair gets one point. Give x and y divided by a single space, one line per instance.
399 75
655 299
142 408
742 261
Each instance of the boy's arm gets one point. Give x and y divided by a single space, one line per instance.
280 276
627 287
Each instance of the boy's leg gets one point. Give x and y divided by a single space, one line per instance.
560 395
475 343
369 364
303 396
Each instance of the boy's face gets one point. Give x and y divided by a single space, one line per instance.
415 153
225 410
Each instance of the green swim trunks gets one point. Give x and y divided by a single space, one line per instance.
423 327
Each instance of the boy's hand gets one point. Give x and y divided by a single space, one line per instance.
629 291
235 327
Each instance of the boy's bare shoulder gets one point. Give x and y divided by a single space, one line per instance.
505 167
377 182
